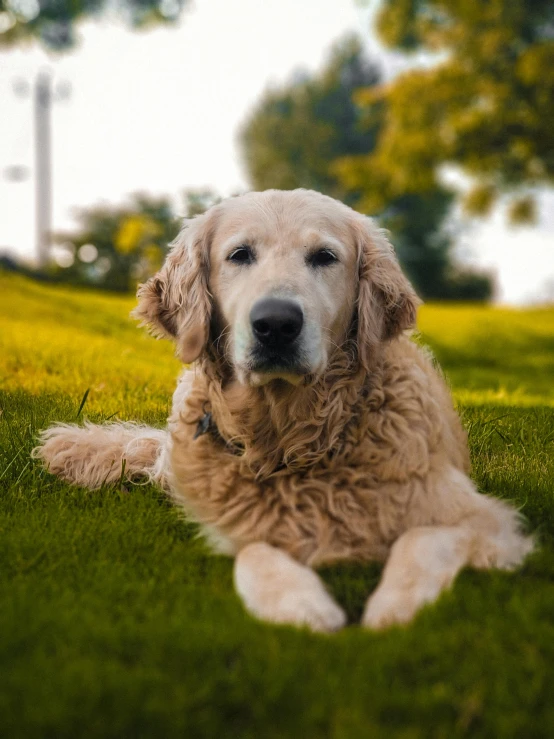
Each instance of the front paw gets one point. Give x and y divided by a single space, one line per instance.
276 588
317 611
393 606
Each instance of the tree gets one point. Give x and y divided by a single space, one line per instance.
197 201
115 247
53 22
314 133
295 133
485 105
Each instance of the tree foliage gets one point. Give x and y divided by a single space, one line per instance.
114 247
314 133
485 105
295 133
198 200
53 22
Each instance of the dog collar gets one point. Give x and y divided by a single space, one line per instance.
207 425
204 425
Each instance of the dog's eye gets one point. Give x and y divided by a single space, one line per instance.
242 255
322 258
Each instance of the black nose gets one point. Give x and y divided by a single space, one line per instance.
276 322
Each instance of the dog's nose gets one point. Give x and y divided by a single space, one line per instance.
276 322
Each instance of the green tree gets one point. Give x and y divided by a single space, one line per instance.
115 247
295 133
485 105
315 133
53 22
198 200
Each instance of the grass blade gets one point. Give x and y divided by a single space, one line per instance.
83 401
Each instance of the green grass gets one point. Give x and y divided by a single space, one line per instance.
116 622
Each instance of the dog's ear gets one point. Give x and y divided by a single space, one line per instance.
176 303
387 303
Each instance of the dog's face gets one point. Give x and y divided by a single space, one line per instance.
282 275
276 280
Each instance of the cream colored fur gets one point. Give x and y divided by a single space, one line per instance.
357 454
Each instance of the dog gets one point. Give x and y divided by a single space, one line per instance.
307 428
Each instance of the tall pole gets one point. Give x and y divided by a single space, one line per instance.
43 161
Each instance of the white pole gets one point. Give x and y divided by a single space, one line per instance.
43 174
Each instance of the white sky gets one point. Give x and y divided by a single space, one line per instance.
159 111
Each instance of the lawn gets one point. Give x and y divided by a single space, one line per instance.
115 621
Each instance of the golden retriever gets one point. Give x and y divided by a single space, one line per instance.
309 428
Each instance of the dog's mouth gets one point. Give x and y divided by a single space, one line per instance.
264 373
262 369
266 365
257 379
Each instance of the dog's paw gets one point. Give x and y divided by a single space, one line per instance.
276 588
318 612
390 606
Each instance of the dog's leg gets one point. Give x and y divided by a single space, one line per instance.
274 587
426 559
92 455
423 562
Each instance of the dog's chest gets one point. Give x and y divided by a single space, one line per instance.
330 498
331 510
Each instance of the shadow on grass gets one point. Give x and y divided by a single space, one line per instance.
351 584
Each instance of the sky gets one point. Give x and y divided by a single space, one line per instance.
159 111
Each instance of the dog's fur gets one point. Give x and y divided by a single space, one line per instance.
350 451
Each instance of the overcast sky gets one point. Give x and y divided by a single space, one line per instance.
159 111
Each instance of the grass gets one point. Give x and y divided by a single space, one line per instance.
115 621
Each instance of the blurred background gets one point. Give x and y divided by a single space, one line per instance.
118 118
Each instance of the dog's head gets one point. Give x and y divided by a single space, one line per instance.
275 281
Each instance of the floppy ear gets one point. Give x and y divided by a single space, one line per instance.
176 303
387 303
